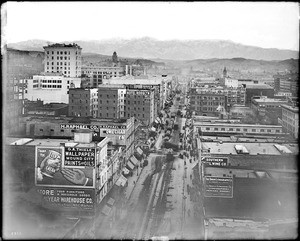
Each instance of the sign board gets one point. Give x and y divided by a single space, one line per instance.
79 157
94 128
218 187
67 199
216 161
115 132
51 171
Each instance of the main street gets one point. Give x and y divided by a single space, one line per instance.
161 203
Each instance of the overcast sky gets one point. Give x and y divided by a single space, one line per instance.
268 25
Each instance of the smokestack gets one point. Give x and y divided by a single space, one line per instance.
126 70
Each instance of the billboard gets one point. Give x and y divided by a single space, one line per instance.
79 157
94 128
51 171
218 187
216 161
67 199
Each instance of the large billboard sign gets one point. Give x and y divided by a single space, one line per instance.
79 157
94 128
216 161
218 187
67 199
51 170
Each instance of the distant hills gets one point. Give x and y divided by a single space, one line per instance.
150 48
242 64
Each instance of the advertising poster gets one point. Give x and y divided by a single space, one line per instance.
67 199
51 171
218 187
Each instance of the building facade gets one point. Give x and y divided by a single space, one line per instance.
83 102
50 87
64 59
258 90
94 75
290 120
140 104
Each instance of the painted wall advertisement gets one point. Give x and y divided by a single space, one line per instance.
218 187
216 161
79 157
51 169
94 128
62 199
116 132
65 177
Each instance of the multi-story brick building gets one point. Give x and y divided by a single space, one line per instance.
207 99
258 90
140 104
83 102
64 59
94 75
290 119
109 101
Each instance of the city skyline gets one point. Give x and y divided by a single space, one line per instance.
276 25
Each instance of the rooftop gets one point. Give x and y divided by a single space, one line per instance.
291 108
258 86
270 100
59 45
47 142
231 148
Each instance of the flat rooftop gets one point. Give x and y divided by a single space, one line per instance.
47 142
255 148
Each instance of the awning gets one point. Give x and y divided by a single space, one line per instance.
139 151
130 165
106 210
111 201
125 170
121 181
134 160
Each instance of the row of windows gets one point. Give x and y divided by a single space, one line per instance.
239 129
52 86
51 81
62 52
61 63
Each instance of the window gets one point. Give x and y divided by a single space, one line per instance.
216 129
41 130
245 129
238 129
268 130
253 130
230 129
277 131
262 130
207 128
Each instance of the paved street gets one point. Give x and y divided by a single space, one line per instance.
158 202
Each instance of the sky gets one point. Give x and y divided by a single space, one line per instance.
262 24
